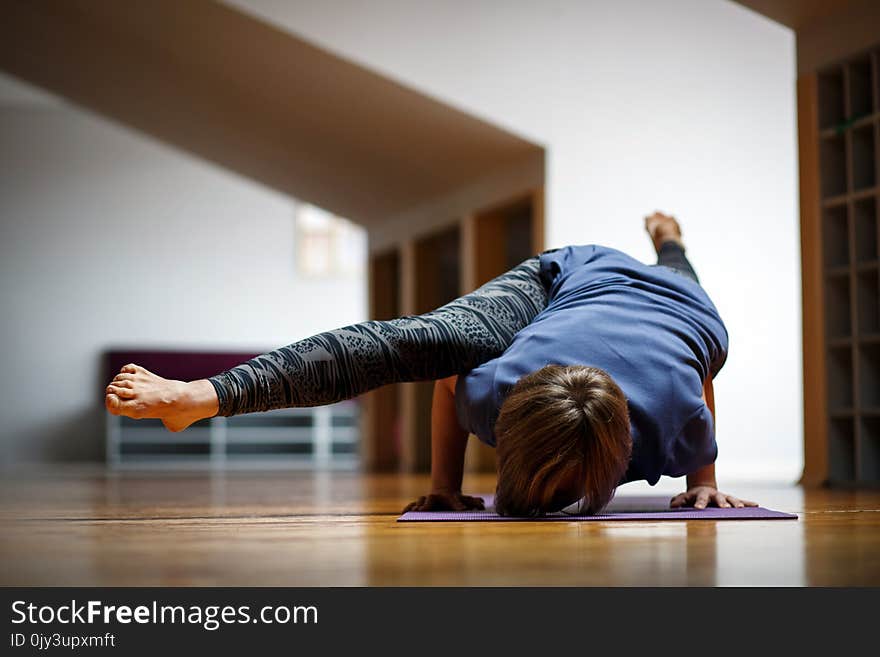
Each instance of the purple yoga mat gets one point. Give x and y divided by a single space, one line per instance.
621 508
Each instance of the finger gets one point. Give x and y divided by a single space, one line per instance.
702 499
432 503
679 500
126 393
414 506
723 501
734 502
124 377
740 503
473 502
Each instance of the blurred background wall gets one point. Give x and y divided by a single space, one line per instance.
686 106
110 238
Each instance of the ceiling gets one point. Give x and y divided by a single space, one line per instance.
797 14
240 92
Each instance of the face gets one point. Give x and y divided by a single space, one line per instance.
569 491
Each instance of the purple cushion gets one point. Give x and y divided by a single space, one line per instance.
170 364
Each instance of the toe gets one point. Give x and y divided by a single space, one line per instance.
111 401
122 392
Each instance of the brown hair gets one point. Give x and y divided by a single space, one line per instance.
562 433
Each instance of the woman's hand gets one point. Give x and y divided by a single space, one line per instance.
702 496
445 501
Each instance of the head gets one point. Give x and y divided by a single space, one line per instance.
562 434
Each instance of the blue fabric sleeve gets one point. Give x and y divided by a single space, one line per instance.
695 446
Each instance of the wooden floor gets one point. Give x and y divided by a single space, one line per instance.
75 527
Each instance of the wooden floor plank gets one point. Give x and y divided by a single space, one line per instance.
86 527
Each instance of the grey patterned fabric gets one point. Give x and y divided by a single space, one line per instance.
346 362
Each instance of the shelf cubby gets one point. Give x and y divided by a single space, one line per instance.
840 379
836 236
864 174
832 153
831 98
876 62
838 306
860 85
865 219
867 301
869 450
841 450
869 376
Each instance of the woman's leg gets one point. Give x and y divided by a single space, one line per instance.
672 255
666 235
346 362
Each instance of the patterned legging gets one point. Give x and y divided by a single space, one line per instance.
343 363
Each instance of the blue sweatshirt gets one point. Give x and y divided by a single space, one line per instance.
654 331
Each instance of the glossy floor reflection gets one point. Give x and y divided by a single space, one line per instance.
80 527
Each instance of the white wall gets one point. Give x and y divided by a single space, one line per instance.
110 238
681 105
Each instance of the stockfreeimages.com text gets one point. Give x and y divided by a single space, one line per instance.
210 617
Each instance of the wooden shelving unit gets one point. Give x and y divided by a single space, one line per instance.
848 130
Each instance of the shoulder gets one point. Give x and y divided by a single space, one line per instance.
576 252
564 260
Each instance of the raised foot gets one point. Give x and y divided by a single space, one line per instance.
663 228
138 393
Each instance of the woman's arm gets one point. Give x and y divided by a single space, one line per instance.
448 439
702 489
448 443
705 476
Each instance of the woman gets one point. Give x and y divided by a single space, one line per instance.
584 366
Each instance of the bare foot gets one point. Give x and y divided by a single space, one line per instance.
138 393
663 228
